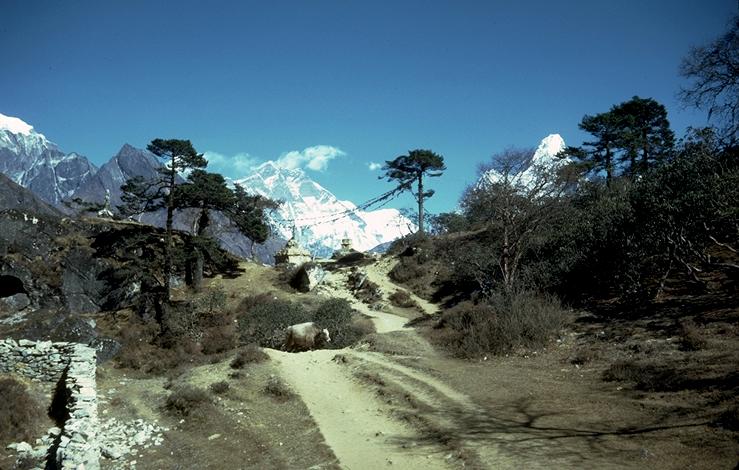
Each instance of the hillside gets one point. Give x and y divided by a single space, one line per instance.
393 398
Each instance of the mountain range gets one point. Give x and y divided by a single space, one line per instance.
34 162
320 219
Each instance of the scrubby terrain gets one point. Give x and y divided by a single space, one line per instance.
655 393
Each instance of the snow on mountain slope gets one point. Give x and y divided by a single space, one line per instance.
321 219
543 161
32 161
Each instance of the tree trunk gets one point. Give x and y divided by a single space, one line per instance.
197 275
168 237
609 166
420 203
645 152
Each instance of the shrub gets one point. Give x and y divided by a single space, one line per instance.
691 337
20 414
219 339
219 388
403 299
184 399
264 323
502 324
249 354
406 270
278 389
343 325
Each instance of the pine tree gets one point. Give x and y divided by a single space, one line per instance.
598 155
644 135
178 156
411 168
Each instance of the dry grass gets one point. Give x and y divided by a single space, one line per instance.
20 413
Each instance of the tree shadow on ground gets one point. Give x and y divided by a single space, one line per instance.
519 431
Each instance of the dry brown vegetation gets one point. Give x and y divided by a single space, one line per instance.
21 413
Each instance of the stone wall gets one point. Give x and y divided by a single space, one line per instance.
71 367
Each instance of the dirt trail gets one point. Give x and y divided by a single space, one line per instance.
353 421
367 425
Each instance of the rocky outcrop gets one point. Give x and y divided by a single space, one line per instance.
308 277
15 196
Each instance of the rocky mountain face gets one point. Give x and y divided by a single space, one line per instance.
320 219
15 196
34 162
127 163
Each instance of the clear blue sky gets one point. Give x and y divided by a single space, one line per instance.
372 78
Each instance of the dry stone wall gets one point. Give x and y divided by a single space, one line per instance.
72 367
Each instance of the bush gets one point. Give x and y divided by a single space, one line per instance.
691 337
403 299
343 325
502 324
406 270
264 323
20 414
249 354
219 339
278 389
219 388
184 399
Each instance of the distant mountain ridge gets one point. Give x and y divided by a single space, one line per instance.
124 165
320 219
34 162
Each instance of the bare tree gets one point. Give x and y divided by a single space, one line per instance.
514 200
714 71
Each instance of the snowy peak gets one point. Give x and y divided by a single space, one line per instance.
15 125
321 219
548 149
544 160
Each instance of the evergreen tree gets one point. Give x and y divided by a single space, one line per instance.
634 135
179 156
599 154
411 168
643 133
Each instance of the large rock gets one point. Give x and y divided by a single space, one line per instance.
307 277
84 291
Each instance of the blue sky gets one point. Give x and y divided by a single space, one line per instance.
332 86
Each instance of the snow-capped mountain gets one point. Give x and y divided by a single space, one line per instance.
126 164
36 163
321 219
544 162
